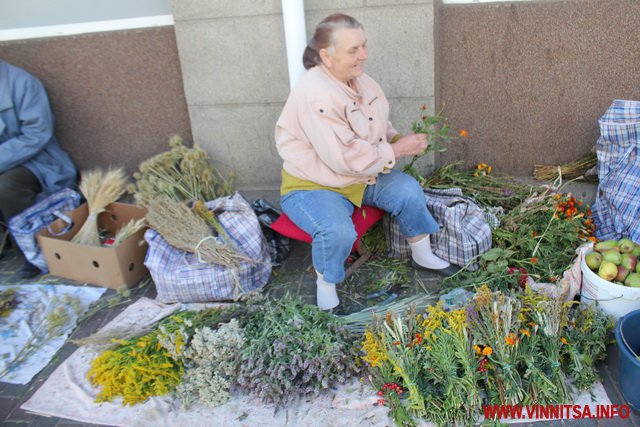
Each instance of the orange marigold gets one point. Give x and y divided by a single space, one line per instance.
463 133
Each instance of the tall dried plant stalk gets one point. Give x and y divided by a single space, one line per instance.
185 230
129 229
100 189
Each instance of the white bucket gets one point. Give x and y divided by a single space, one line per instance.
613 299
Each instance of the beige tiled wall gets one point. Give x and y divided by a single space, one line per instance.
234 66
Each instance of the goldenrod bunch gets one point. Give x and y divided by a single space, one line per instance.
183 174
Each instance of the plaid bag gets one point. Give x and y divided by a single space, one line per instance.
180 277
464 232
24 226
617 208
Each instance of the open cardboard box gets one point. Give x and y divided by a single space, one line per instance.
111 267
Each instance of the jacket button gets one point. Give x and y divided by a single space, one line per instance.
380 140
370 118
321 110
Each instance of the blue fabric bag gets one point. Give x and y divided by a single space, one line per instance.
24 226
617 208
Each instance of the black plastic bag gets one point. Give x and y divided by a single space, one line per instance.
278 244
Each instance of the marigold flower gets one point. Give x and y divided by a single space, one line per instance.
464 133
477 349
525 332
592 239
534 260
487 351
564 341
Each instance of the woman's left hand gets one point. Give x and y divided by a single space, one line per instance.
412 144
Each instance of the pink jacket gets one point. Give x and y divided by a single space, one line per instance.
333 135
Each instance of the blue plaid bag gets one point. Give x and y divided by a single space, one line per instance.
24 226
617 208
180 277
465 229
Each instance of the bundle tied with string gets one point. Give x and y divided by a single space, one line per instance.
185 230
100 189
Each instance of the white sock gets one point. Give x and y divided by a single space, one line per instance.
422 255
326 294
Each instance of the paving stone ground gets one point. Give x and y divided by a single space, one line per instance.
294 276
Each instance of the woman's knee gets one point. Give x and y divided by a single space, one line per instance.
338 234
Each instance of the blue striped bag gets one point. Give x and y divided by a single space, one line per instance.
616 210
180 277
24 226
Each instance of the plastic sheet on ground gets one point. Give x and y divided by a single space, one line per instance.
68 394
30 315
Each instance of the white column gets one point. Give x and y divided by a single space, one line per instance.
295 34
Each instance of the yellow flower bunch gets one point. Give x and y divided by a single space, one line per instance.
375 354
136 370
482 169
432 321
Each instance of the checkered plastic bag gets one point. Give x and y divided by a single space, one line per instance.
465 230
24 226
180 277
617 208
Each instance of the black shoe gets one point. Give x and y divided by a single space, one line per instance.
445 272
28 271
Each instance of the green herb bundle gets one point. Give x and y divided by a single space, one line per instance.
487 189
294 350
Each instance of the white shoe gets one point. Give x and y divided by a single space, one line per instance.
326 295
422 255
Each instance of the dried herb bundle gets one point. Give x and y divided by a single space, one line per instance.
574 169
185 230
100 189
182 174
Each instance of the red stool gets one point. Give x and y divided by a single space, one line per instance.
363 219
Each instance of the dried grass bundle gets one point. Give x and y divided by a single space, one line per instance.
129 229
574 169
183 229
100 189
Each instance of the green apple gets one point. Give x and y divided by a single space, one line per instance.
612 256
608 270
607 244
633 280
593 260
636 250
625 245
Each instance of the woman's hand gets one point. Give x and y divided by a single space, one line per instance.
412 144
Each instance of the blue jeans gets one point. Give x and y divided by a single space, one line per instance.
326 216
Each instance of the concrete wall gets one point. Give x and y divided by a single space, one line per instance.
530 80
234 67
117 96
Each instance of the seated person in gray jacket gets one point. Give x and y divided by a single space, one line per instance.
31 160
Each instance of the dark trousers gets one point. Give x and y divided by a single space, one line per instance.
18 190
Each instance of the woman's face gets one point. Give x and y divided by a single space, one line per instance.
347 58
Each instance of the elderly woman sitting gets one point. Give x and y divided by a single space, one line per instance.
339 150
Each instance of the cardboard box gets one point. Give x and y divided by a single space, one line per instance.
111 267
